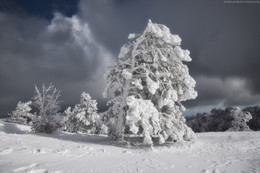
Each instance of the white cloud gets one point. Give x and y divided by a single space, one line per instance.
94 53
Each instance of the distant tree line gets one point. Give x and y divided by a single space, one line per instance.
223 120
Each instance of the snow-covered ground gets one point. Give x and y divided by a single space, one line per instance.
23 151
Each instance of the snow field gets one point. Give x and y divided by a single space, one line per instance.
23 151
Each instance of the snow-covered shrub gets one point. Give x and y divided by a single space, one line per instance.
82 117
254 123
47 104
22 113
148 84
240 120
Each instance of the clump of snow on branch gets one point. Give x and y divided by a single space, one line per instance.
137 83
126 74
131 36
152 86
183 55
46 101
240 119
22 113
150 75
82 117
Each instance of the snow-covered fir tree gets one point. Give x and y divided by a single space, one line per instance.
240 120
22 113
82 117
47 103
148 84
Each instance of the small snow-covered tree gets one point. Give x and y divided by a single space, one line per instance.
46 101
148 84
82 117
22 113
240 120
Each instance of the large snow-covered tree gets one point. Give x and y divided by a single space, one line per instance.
148 84
240 118
22 113
47 104
82 117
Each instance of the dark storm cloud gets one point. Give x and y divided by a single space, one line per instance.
230 91
43 9
72 52
64 52
223 40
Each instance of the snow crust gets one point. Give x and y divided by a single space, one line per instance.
22 151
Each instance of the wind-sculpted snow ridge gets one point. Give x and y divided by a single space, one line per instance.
150 76
22 151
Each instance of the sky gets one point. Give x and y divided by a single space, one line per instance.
70 44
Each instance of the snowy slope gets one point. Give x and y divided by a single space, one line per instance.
23 151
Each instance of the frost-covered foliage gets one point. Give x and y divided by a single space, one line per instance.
101 126
22 113
148 84
142 113
47 104
82 117
240 119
